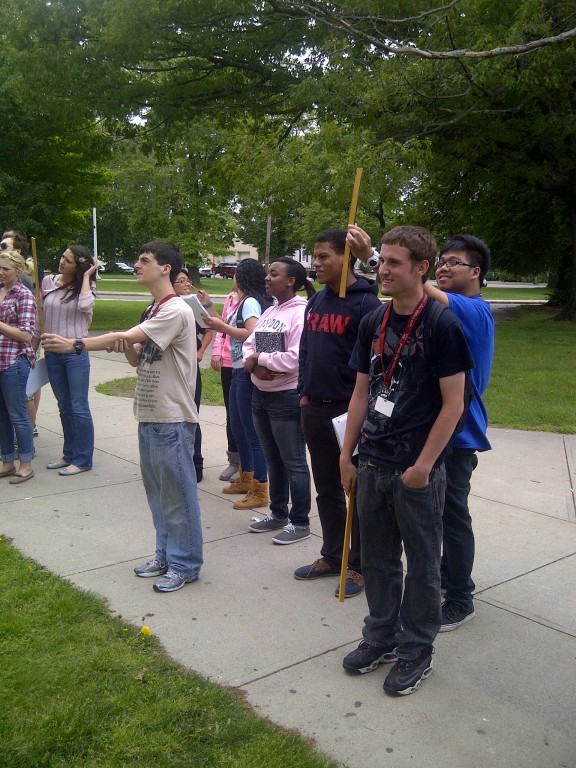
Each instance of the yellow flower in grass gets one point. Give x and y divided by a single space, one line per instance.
146 631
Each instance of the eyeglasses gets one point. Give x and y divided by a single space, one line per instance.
182 282
4 246
453 263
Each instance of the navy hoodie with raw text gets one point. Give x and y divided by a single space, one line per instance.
330 331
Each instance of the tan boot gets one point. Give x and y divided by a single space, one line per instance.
242 485
256 497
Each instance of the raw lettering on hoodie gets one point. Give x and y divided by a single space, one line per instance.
327 323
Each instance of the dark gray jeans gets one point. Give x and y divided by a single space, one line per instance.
391 516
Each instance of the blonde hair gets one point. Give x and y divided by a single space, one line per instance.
15 258
29 266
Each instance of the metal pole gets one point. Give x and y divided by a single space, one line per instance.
268 230
94 233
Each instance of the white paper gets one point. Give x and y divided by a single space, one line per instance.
200 312
37 377
339 423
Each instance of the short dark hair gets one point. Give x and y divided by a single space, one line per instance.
19 240
417 240
475 249
165 253
337 239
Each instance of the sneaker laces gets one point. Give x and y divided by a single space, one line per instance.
289 528
170 574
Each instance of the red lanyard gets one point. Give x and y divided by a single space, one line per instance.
157 307
387 374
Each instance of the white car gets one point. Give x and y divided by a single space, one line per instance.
205 271
125 268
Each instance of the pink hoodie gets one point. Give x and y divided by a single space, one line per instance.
283 324
221 344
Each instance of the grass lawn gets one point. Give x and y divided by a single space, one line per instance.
121 315
217 286
533 383
79 688
128 284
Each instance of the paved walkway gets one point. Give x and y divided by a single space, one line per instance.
503 692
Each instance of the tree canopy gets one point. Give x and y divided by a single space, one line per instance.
462 114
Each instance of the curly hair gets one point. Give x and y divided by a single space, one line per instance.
250 275
84 260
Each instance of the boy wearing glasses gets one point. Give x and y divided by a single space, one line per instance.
460 271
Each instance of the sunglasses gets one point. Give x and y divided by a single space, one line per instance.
4 246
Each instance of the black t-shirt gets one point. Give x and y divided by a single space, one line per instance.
397 440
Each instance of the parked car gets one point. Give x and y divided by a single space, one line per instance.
226 270
205 271
125 268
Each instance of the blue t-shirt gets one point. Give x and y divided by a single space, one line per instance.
250 308
478 326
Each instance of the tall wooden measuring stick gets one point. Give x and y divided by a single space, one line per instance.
37 286
342 294
351 220
346 547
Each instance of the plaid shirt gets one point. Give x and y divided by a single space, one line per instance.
18 310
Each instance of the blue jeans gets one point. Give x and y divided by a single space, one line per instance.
458 538
277 421
392 515
249 448
13 413
69 376
169 476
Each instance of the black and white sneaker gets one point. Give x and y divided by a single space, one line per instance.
366 658
406 675
453 616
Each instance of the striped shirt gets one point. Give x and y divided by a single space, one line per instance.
70 319
18 310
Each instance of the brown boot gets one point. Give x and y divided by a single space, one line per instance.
256 497
242 485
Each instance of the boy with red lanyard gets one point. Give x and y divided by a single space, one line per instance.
163 349
408 398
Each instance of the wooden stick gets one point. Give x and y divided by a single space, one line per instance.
37 286
351 220
346 547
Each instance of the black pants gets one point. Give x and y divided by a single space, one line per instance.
226 380
331 499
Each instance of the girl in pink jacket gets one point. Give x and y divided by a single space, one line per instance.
271 356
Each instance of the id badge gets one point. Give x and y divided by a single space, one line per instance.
384 406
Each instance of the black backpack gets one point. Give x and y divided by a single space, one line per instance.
436 309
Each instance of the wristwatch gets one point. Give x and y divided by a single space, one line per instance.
79 346
372 262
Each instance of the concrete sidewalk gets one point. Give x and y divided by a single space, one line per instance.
503 691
